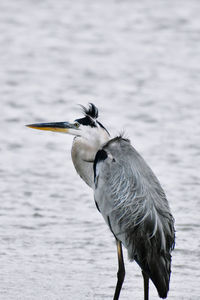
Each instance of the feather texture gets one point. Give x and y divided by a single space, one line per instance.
130 196
91 111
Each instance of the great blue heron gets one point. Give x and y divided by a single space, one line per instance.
127 194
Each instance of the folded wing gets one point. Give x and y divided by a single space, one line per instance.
134 205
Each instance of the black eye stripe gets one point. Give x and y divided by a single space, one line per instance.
87 121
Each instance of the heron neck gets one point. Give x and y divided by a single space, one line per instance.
83 155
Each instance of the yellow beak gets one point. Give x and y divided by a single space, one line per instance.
55 126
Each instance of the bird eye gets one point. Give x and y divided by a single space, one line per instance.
76 124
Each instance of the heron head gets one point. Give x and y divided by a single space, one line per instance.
87 127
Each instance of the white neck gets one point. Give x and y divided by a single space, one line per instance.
83 152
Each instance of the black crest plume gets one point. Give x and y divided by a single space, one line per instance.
91 111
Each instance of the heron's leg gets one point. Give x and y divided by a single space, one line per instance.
121 270
146 285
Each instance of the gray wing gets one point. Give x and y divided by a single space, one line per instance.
133 204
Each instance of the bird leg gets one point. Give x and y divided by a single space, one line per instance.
121 270
146 285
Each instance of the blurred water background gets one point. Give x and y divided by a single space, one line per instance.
139 62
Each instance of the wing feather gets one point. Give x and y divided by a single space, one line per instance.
134 205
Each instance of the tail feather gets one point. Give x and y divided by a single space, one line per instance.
159 272
153 260
158 268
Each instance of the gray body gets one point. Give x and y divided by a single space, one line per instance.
134 205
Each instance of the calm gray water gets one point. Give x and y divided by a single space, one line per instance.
139 62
